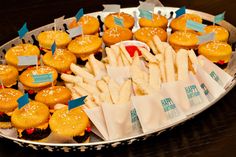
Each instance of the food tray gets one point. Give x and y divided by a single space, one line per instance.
96 143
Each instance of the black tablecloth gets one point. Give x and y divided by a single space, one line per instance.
212 133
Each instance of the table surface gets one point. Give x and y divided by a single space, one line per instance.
210 134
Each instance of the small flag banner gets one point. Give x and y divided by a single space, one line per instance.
119 21
180 11
218 18
22 101
195 26
76 102
146 6
23 30
74 32
43 78
79 14
111 8
145 14
27 60
206 38
53 47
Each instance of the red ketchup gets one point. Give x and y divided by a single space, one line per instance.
131 50
30 131
221 62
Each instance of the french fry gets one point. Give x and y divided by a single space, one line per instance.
95 68
111 56
105 95
160 58
152 46
158 43
80 90
125 92
89 68
169 64
147 55
89 88
69 85
192 56
182 64
154 76
71 78
90 104
125 53
114 89
119 61
116 50
77 70
124 60
136 59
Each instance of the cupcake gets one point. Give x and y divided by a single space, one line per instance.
8 75
47 38
182 39
216 51
127 19
221 34
116 34
89 24
145 34
31 121
27 80
72 123
8 103
54 95
61 60
85 45
179 23
157 21
20 50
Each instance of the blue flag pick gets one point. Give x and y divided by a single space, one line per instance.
219 17
118 21
53 47
76 102
22 101
145 14
79 14
23 30
195 26
43 78
180 11
111 8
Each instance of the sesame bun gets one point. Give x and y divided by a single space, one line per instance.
179 23
89 24
216 51
85 45
8 75
69 123
20 50
61 60
116 34
31 115
54 95
221 34
157 21
27 80
47 38
146 34
182 39
8 99
127 18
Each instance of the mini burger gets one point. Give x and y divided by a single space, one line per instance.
31 121
72 123
8 103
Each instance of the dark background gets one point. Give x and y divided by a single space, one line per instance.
210 134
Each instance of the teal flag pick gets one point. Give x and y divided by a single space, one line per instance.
79 14
76 102
23 30
195 26
43 78
22 101
218 18
119 21
145 14
180 11
53 47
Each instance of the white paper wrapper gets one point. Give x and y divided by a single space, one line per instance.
118 120
97 118
219 75
119 74
187 94
211 88
12 132
156 111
